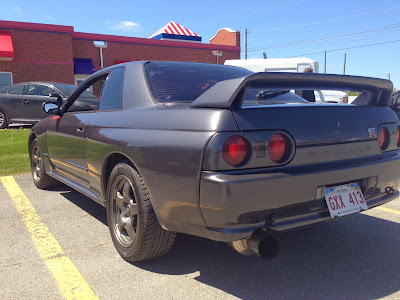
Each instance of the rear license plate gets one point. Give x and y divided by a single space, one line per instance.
345 199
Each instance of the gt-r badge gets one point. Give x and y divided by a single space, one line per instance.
372 132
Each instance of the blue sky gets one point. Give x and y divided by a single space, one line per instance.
281 28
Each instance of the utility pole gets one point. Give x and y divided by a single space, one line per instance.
389 76
325 63
245 43
344 66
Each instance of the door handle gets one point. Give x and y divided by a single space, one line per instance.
25 101
80 129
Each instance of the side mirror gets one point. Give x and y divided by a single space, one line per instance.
54 94
51 108
58 96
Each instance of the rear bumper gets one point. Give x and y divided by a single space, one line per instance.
234 204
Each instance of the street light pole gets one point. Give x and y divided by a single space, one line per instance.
245 43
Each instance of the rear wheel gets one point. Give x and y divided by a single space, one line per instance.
134 228
39 175
3 120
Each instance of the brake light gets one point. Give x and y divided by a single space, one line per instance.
236 150
279 148
398 136
383 138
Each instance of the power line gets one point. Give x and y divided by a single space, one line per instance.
337 37
326 21
244 10
335 50
251 10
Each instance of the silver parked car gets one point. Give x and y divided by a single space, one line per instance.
22 102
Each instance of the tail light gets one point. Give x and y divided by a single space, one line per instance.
236 150
279 147
383 138
398 136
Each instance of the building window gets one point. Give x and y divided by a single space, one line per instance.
5 79
80 78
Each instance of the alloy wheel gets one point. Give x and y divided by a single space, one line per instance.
124 210
36 163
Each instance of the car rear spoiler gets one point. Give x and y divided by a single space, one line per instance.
231 93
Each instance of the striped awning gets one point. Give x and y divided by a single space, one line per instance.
175 31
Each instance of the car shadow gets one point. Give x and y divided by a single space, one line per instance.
20 126
91 207
356 257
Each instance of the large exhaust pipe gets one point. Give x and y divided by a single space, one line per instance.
261 243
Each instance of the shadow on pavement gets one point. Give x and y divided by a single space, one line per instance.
84 203
356 257
20 126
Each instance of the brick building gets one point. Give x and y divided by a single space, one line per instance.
42 52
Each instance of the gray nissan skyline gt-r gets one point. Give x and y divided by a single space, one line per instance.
218 152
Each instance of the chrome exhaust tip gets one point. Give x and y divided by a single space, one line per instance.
262 243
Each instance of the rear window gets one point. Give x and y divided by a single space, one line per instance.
265 96
184 82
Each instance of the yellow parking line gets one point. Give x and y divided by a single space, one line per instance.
69 280
391 210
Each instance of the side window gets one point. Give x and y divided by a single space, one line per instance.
31 89
38 90
89 101
5 79
111 97
16 90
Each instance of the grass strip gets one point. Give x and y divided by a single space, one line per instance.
14 157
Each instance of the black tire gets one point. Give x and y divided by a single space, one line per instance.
3 120
134 228
41 179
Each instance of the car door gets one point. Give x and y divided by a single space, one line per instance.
35 95
66 135
11 103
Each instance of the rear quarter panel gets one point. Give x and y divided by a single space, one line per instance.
166 146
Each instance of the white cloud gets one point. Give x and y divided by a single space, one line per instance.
18 9
124 26
50 18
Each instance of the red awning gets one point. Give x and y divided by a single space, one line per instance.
6 46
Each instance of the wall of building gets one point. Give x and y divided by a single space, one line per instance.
226 36
45 52
117 51
40 55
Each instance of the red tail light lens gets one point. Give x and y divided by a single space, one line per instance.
236 150
398 136
383 138
279 148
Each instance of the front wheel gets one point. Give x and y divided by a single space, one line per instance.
41 179
134 228
3 120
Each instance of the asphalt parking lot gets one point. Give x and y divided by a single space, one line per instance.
357 257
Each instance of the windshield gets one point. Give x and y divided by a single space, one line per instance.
184 82
67 89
